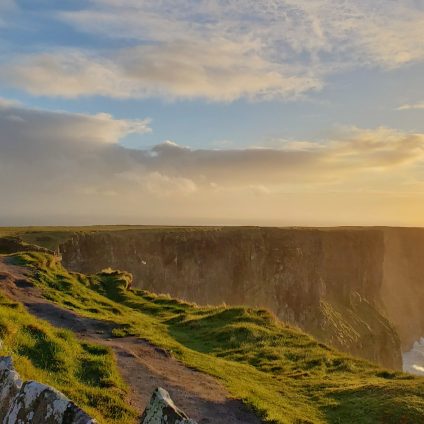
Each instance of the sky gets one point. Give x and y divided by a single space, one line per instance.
212 112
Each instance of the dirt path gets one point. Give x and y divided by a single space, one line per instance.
143 366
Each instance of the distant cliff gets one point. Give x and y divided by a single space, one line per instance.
357 289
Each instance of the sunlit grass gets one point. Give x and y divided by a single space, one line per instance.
86 373
51 237
282 373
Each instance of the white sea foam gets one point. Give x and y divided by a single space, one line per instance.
413 361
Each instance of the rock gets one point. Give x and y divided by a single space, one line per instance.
33 402
10 385
162 410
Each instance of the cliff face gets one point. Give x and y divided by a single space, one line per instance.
402 292
329 282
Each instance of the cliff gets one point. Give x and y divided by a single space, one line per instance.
402 291
349 287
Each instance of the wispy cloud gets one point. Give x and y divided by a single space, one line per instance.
222 50
344 29
411 106
218 71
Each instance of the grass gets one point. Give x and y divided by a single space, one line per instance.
285 375
84 372
51 237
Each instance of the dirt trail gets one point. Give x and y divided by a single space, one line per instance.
143 366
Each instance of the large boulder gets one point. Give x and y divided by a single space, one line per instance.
33 402
162 410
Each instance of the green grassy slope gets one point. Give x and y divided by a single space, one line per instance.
52 237
86 373
281 372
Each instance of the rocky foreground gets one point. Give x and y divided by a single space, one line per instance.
35 403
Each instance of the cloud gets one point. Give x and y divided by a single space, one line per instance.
411 106
384 33
158 184
61 164
4 103
33 127
221 50
214 70
70 74
347 153
381 148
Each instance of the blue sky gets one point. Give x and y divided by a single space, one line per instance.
229 110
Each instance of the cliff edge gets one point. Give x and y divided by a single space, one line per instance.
342 285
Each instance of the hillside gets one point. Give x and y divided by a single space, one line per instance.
325 281
329 282
277 370
85 372
358 289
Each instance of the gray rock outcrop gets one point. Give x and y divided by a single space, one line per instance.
32 402
162 410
